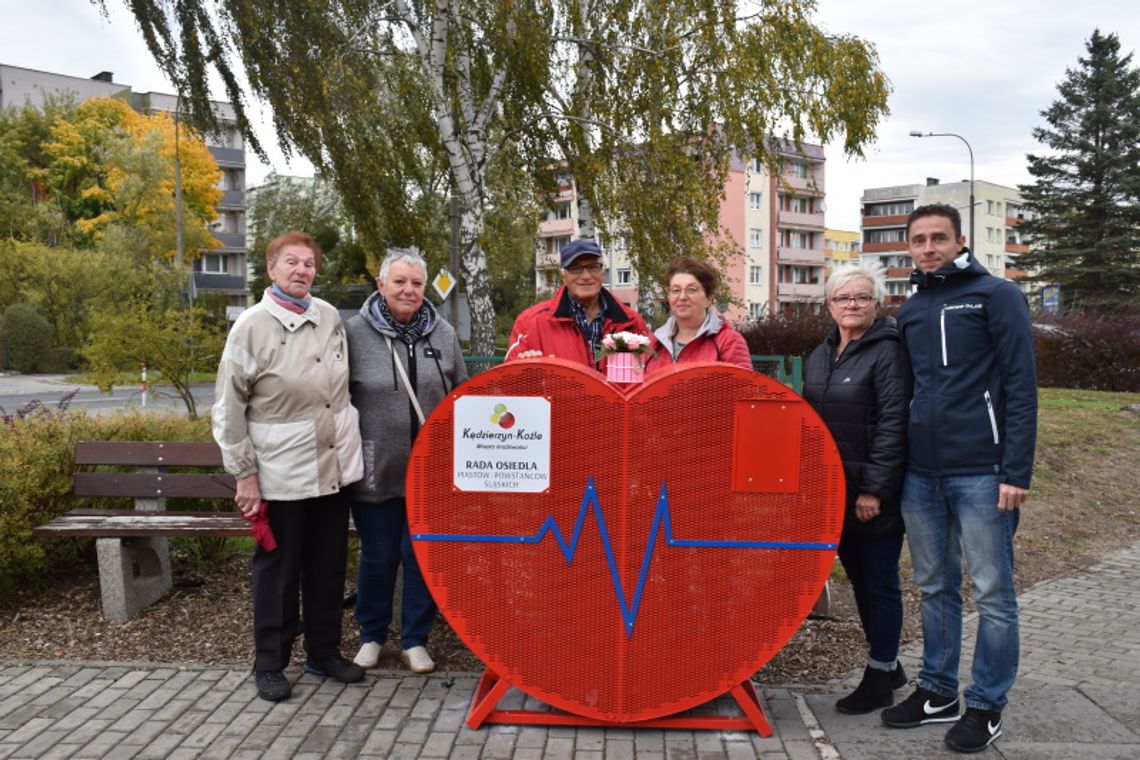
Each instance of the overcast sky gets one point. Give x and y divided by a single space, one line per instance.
981 68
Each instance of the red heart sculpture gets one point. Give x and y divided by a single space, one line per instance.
689 526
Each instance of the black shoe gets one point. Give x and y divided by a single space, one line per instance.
920 708
976 730
898 676
337 668
272 685
874 691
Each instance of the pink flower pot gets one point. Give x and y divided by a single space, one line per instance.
623 368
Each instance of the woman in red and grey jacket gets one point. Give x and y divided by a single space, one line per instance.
694 332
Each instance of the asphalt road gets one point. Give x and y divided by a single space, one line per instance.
17 391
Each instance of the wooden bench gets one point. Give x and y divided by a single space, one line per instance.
132 546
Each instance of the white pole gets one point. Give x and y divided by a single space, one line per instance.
144 386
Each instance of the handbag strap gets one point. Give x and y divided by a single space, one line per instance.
404 377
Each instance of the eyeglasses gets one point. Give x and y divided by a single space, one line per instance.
692 291
577 269
860 300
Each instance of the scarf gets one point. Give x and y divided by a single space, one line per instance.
297 305
408 333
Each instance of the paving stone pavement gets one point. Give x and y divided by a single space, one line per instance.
1078 696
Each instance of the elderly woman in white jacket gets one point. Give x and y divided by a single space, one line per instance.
290 437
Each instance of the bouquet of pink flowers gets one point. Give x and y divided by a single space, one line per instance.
624 343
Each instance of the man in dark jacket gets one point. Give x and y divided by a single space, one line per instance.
971 439
571 324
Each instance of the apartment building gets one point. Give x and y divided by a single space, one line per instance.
222 270
998 212
840 247
775 220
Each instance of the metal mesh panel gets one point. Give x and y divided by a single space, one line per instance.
706 583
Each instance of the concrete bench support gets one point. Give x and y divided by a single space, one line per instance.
133 573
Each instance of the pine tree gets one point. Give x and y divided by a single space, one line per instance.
1084 225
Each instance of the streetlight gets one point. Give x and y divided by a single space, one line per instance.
916 133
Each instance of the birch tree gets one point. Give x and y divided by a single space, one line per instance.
643 101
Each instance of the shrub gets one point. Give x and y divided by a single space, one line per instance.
37 447
1086 350
29 336
786 334
59 360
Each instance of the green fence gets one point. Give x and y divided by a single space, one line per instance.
789 370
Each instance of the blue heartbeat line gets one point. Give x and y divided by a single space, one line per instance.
662 521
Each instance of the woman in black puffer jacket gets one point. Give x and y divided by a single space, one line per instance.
859 381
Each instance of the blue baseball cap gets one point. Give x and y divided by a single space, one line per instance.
578 248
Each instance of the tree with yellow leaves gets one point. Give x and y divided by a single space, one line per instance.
102 165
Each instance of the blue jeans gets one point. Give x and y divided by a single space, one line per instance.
384 544
943 517
872 566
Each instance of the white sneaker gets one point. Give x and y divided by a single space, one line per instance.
369 655
418 660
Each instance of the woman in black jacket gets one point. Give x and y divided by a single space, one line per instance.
859 381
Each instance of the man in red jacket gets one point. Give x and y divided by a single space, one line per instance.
571 324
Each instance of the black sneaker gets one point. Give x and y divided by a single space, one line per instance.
976 730
920 708
272 685
337 668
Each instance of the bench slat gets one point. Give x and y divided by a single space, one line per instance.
107 523
127 522
149 453
154 485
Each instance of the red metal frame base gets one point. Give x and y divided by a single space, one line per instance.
492 687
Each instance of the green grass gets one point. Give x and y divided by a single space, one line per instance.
1072 398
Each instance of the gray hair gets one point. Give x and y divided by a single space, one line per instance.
410 256
866 270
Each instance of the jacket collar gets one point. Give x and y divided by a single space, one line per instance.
966 265
611 309
291 320
711 326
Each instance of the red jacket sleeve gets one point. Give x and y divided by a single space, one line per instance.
732 347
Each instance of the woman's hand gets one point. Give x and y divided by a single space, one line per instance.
866 507
533 353
248 496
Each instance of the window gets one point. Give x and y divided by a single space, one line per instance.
559 242
895 208
755 310
990 233
563 210
755 201
990 207
756 167
796 169
625 277
885 236
755 238
796 204
797 239
755 275
213 263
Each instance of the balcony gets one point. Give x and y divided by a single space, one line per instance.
899 245
228 156
893 220
808 185
1016 248
801 256
232 199
796 219
556 228
230 240
1015 274
799 291
206 282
